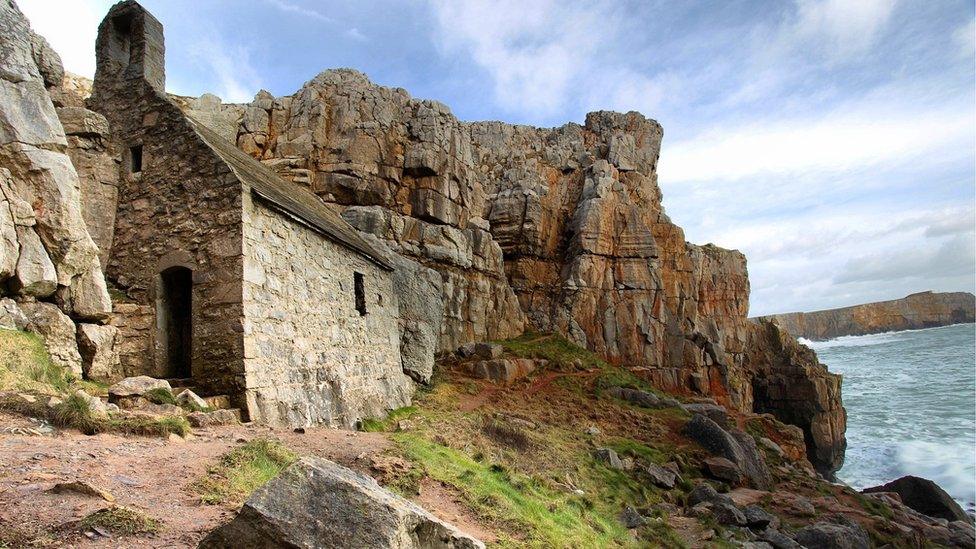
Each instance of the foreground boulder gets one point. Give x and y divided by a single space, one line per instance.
736 446
924 496
318 503
839 533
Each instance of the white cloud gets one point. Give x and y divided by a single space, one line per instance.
532 50
839 29
965 38
298 9
70 27
231 66
825 143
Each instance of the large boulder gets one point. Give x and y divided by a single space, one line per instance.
924 496
840 533
130 393
736 446
11 317
316 503
99 357
58 333
55 250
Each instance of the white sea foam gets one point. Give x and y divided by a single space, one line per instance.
911 406
949 465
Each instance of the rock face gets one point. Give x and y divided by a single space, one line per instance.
552 229
45 248
924 496
921 310
317 503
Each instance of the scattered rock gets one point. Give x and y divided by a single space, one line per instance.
723 469
803 507
608 457
736 446
758 519
772 446
99 357
174 438
214 418
58 333
842 533
593 430
660 476
83 488
924 496
95 404
504 370
631 518
705 493
189 398
488 351
727 514
11 317
315 502
644 399
714 412
130 392
778 539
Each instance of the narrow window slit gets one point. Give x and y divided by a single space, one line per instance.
135 159
360 290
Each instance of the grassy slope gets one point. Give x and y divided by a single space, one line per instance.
520 457
26 366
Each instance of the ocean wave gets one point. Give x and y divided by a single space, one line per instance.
869 339
949 465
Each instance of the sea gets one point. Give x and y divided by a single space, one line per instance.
911 406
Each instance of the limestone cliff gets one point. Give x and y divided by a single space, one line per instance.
46 251
921 310
556 229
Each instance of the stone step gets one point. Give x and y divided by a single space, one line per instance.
179 383
218 402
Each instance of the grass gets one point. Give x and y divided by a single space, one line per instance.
74 413
559 351
121 520
242 470
541 516
373 425
160 395
26 366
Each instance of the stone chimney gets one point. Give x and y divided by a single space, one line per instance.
129 47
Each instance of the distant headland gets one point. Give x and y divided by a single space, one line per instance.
921 310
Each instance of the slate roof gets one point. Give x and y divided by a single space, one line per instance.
288 197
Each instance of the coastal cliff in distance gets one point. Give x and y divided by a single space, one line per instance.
921 310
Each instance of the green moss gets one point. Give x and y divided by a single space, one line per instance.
243 470
121 520
26 366
160 395
634 449
873 506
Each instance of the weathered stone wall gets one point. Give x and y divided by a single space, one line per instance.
310 356
183 209
921 310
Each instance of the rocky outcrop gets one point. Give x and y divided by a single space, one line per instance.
317 503
552 229
47 251
921 310
924 496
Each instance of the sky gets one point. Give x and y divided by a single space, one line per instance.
831 141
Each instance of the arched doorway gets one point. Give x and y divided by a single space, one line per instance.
174 319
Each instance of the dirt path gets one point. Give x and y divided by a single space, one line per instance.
154 476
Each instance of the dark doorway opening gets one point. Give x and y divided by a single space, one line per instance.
175 320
